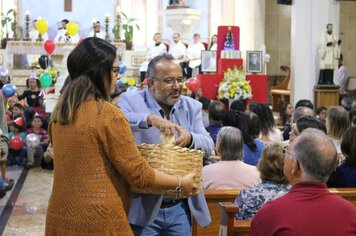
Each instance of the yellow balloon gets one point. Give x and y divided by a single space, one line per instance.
131 82
41 26
72 28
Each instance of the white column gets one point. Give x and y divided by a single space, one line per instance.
309 20
250 17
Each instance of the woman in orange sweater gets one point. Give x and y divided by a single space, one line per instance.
94 151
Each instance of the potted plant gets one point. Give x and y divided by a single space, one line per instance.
128 26
5 20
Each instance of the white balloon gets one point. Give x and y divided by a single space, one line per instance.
32 140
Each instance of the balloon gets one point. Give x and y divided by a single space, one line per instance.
32 140
122 67
49 46
9 90
131 82
132 88
4 72
124 80
16 143
193 84
46 80
41 26
72 28
43 61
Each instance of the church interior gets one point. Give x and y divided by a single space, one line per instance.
279 50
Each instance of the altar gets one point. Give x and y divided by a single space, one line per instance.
14 58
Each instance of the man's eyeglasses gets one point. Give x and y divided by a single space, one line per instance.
171 80
115 69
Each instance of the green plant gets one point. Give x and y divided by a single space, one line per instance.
5 20
128 27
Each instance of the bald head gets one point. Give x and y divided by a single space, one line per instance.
316 155
302 111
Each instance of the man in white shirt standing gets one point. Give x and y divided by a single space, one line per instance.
34 34
158 48
192 62
342 74
177 49
62 35
98 32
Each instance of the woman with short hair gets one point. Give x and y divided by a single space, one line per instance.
274 182
230 172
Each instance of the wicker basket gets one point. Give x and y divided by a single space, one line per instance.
173 160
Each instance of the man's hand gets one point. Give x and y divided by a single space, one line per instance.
329 44
185 138
339 42
167 128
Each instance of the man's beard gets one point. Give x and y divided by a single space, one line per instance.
329 31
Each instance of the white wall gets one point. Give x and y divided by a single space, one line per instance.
83 12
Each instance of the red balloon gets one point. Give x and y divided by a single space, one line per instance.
16 143
49 46
193 84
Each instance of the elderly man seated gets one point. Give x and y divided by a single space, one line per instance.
309 208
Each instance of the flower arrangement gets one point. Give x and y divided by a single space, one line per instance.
234 85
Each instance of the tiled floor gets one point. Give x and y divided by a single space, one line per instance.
29 211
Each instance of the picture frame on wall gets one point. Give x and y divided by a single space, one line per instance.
209 61
254 61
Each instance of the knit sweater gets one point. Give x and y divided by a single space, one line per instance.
94 157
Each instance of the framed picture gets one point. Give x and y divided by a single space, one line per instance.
208 61
254 61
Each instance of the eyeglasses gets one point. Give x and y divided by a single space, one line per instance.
115 69
171 80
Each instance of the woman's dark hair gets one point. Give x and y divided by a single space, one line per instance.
282 112
266 118
242 121
211 43
89 65
319 110
306 122
348 146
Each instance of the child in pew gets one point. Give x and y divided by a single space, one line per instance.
274 182
15 157
37 129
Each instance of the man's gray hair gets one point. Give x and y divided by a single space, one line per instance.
316 155
151 68
230 142
302 111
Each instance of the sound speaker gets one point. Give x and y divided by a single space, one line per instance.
285 2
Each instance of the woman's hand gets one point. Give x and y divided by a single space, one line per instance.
187 184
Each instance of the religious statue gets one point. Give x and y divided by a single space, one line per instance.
176 4
229 40
329 50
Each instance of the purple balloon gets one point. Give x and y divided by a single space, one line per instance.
9 90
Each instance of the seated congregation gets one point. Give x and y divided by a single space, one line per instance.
294 170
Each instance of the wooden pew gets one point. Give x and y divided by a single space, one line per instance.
231 227
213 197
